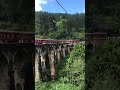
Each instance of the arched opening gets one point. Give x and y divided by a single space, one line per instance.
29 79
66 49
61 51
20 59
71 47
57 55
18 87
45 63
90 47
24 69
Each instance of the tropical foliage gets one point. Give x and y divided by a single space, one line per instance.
59 25
102 67
71 74
103 16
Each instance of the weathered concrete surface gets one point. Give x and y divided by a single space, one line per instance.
16 67
21 65
50 57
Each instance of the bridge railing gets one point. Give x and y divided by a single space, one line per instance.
40 41
16 37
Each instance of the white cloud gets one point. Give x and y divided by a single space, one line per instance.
83 11
38 4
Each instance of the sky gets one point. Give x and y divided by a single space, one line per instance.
71 6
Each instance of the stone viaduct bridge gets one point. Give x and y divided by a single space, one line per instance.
48 55
93 40
24 60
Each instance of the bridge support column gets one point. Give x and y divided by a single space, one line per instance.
52 65
37 67
10 58
71 48
43 65
58 55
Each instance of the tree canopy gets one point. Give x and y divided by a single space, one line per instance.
59 25
103 16
102 67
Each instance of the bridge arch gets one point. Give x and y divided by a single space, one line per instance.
45 65
23 70
18 86
90 46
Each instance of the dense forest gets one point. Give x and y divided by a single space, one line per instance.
103 68
103 16
71 72
59 25
17 15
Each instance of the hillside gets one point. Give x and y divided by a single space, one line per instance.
59 25
102 67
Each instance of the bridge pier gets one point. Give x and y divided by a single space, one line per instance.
9 54
38 69
50 57
52 64
58 54
66 49
44 65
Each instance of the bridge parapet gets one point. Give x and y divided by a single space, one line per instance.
16 37
93 40
100 36
113 38
50 41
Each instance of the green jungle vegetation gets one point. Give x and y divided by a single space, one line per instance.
17 15
103 16
71 73
59 25
103 67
